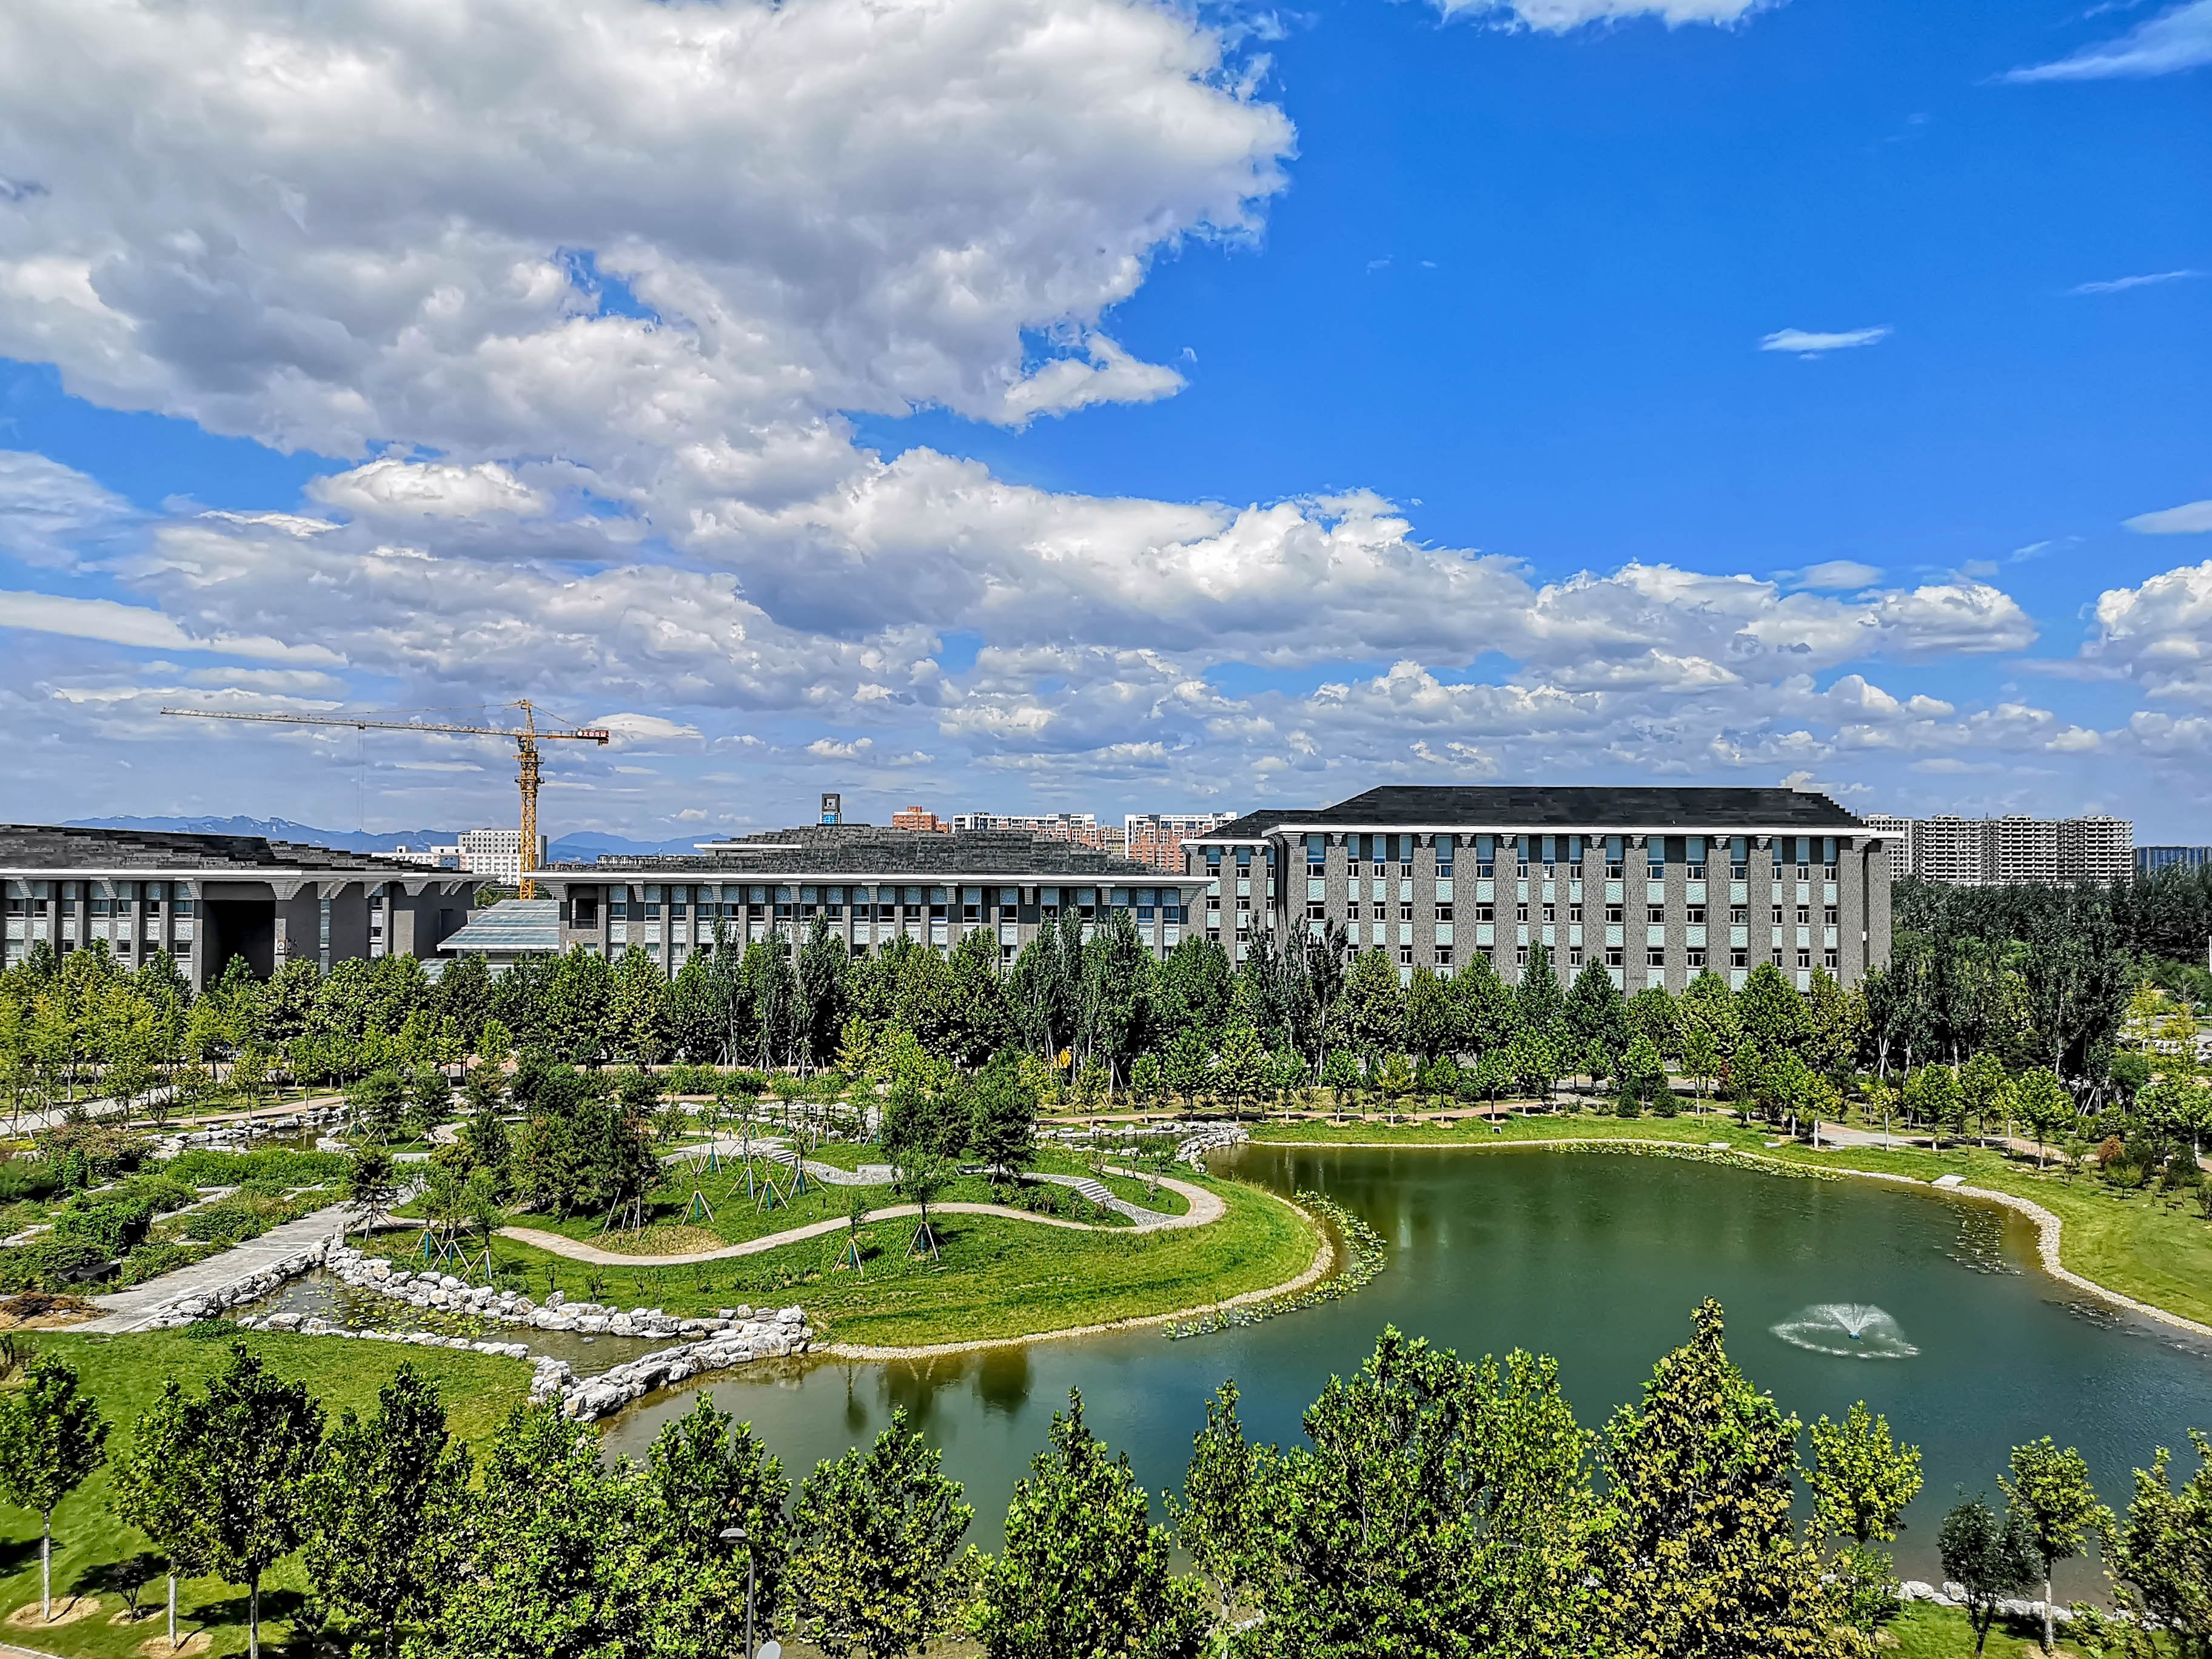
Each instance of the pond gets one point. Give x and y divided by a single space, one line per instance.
1932 1310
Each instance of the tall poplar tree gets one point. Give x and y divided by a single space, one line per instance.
51 1438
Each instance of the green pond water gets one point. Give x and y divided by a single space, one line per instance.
1961 1339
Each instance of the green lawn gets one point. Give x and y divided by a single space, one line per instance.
2135 1243
1924 1631
997 1277
124 1373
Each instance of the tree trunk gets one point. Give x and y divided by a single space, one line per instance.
253 1618
2047 1619
173 1608
46 1565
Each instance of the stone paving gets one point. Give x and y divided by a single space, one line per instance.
126 1310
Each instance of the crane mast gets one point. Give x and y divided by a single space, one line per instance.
530 767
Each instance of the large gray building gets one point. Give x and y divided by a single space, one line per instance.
205 899
1658 884
871 885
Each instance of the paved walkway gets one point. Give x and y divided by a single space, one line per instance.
773 1149
125 1310
1205 1207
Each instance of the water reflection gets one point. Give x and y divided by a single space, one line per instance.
1597 1260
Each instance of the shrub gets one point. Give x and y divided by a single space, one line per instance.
281 1165
22 1178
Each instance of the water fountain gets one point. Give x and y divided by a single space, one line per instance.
1857 1330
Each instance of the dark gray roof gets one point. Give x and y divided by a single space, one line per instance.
1539 807
864 849
1255 823
38 846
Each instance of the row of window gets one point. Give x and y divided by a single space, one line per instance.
584 912
1654 959
18 906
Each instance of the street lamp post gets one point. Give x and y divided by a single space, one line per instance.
737 1535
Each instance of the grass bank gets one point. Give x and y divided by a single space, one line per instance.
2133 1243
995 1279
92 1548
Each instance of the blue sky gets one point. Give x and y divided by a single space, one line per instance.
1160 412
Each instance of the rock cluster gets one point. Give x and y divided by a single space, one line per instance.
1953 1595
737 1341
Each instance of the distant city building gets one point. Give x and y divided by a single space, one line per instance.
1077 829
2149 860
1157 838
1987 852
434 857
495 855
205 899
915 817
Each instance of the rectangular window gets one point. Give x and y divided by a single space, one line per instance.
1828 960
1574 913
1351 869
1547 913
1484 872
975 912
1828 872
1317 910
1520 913
585 910
1739 958
1444 865
1444 913
183 907
1739 915
1520 956
1654 957
618 908
653 909
1405 956
1804 915
1443 956
1804 958
1613 912
1614 956
1655 914
1696 916
1693 872
1696 958
1575 955
1612 871
1486 913
1405 913
100 906
1828 914
1777 915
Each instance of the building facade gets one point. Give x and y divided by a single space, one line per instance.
1157 838
495 855
205 899
1984 852
1657 885
868 885
2149 860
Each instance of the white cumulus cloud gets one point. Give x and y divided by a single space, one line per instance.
420 490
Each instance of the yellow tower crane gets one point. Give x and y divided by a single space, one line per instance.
526 744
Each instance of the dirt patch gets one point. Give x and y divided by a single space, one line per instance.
41 1310
667 1239
66 1612
157 1646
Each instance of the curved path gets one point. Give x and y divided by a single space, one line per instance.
1205 1207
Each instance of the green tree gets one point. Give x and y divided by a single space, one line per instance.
1371 1011
51 1438
1085 1573
1772 1012
254 1441
157 1491
706 1477
1594 1011
429 1100
1220 1518
1654 1015
1242 1076
637 1008
1990 1554
550 1570
875 1535
1983 1089
823 959
1701 1056
1642 1072
1439 1507
385 1509
1487 1018
2042 1100
1537 1000
2050 1491
1699 1555
2161 1556
1861 1479
1002 1115
377 1102
1431 1016
371 1185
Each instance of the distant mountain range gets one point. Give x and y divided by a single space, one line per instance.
585 846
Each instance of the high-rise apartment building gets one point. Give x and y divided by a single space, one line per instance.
1157 838
496 854
919 819
1983 851
1077 829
